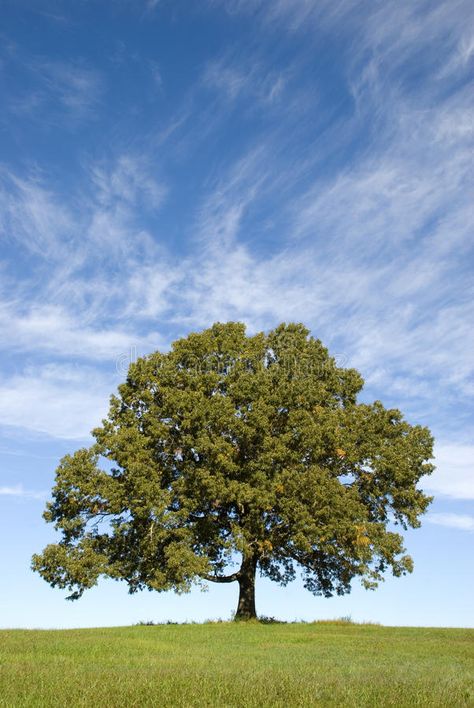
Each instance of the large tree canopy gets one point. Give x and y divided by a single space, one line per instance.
231 454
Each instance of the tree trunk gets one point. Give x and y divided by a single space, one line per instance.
246 607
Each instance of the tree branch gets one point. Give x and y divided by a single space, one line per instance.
222 578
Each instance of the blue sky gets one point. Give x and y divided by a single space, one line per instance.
167 164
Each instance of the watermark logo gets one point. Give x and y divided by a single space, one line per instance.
124 360
291 364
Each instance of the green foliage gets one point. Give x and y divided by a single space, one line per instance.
233 445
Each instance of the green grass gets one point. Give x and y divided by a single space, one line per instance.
238 664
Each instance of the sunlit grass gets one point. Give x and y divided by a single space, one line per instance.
238 664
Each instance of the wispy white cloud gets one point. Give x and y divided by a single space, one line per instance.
151 290
54 330
102 223
221 213
19 491
130 181
156 74
75 86
237 76
31 214
387 28
57 93
60 401
229 79
454 474
462 522
125 192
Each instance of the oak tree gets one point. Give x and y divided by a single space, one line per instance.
232 454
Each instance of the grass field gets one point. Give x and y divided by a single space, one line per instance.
227 664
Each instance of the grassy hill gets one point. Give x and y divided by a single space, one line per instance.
231 664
